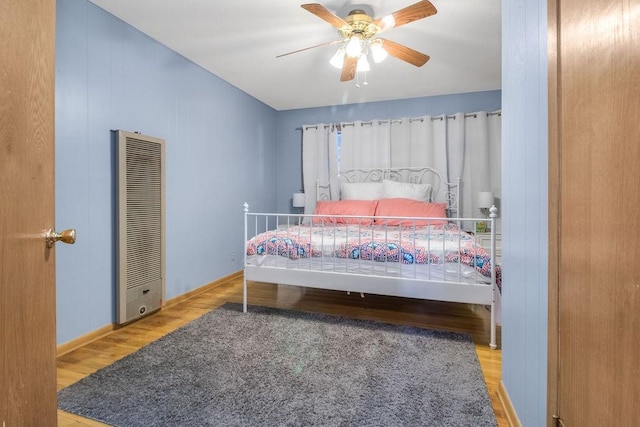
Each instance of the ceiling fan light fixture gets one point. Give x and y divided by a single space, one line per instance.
337 60
363 64
378 52
388 22
354 46
359 32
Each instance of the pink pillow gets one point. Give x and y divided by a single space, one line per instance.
411 208
345 207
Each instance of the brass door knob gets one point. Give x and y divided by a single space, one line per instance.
66 236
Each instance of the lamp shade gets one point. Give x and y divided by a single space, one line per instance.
377 51
354 47
363 64
485 199
337 60
298 200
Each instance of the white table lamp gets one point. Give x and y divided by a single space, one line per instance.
485 200
298 200
298 204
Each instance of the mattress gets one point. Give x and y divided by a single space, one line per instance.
434 253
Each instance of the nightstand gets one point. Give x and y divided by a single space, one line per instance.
484 240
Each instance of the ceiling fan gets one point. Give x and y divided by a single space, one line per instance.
359 36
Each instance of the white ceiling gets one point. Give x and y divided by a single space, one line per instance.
238 41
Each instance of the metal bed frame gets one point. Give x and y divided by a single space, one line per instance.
396 281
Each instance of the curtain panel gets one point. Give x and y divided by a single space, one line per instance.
465 146
319 161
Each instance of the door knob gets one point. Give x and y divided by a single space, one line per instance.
67 236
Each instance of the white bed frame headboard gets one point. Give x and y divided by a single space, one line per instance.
442 191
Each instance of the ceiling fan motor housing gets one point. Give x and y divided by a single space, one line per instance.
360 25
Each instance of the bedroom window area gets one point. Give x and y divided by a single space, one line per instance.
465 146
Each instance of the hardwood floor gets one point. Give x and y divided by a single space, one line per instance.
429 314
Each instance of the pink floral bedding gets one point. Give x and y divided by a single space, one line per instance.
409 245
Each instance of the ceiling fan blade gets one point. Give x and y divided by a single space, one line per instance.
348 68
310 47
416 11
323 13
404 53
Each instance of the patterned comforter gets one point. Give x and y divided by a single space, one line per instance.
408 245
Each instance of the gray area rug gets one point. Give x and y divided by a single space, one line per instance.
272 367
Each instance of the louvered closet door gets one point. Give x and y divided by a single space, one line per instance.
598 197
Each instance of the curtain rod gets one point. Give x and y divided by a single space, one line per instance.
415 119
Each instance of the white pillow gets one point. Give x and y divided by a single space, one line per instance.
361 191
406 190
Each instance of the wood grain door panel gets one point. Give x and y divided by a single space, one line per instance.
27 271
597 150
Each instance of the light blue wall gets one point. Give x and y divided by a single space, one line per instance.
525 207
289 123
220 147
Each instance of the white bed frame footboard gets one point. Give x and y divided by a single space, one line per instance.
385 282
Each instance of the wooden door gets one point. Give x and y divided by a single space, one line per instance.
594 362
27 286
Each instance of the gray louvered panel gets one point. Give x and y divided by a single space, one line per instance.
141 225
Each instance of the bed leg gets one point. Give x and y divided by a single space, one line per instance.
244 295
492 343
